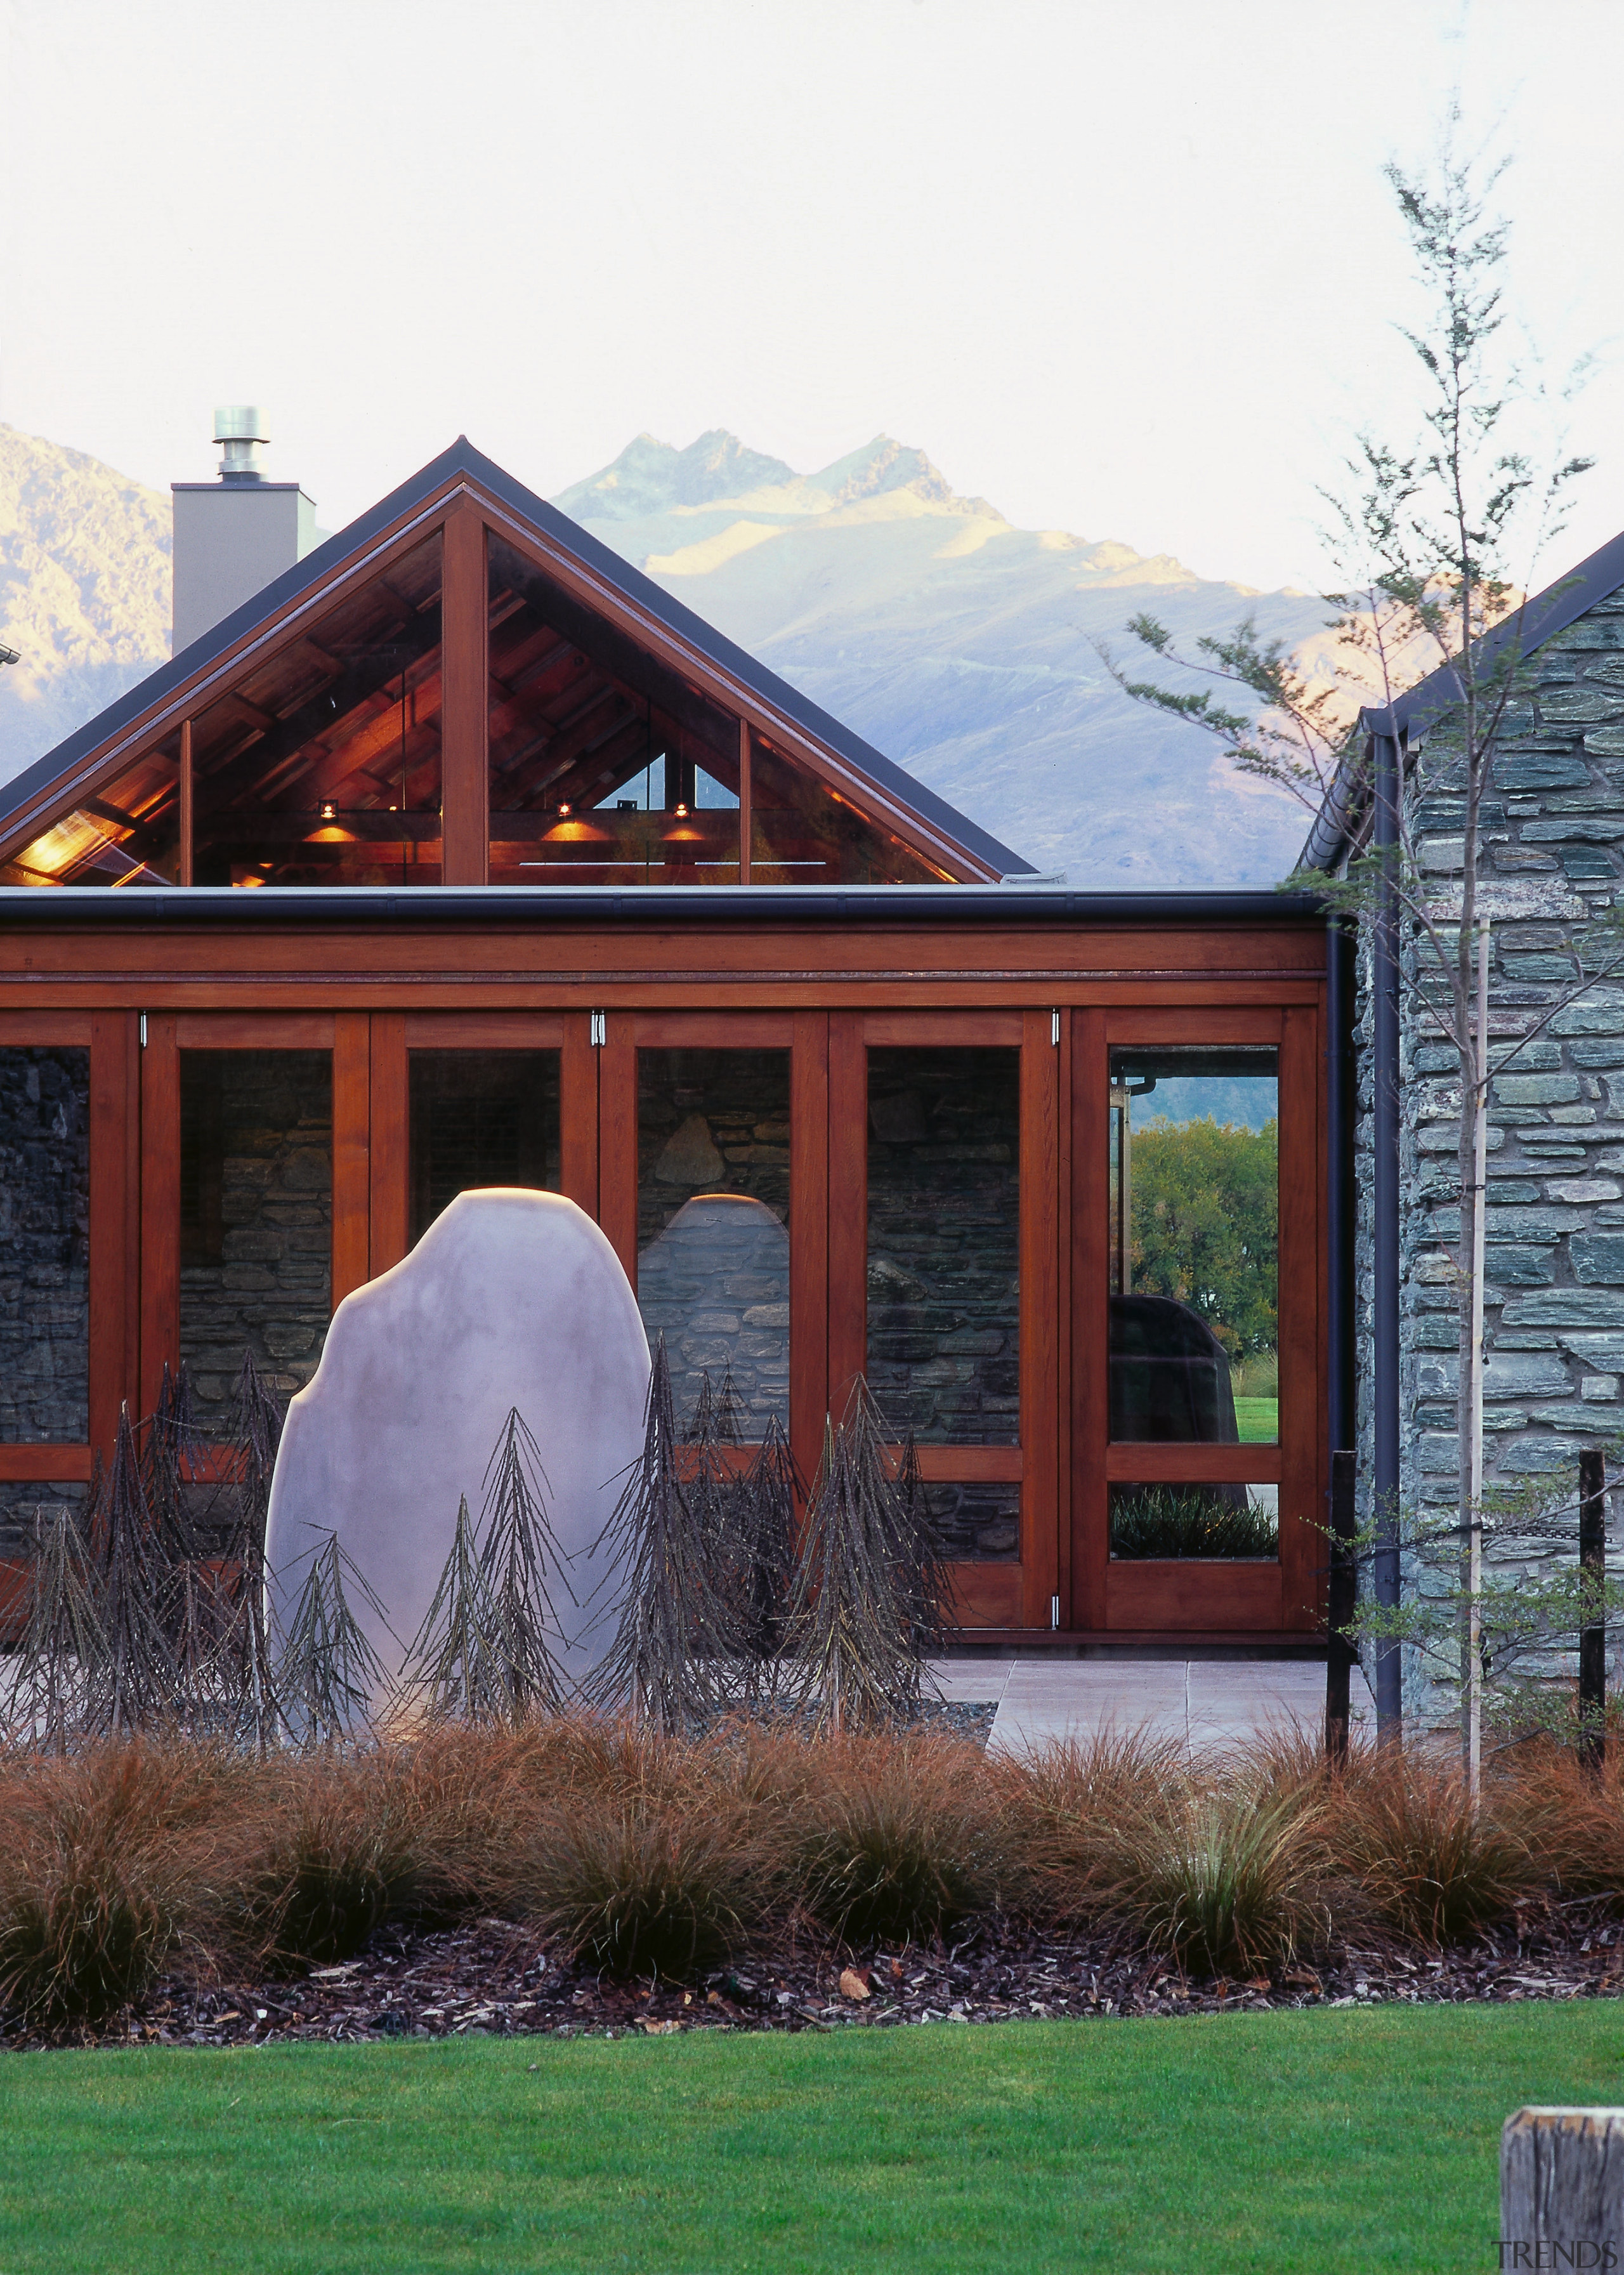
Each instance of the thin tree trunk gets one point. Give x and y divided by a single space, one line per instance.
1472 1386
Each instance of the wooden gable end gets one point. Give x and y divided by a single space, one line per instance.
465 697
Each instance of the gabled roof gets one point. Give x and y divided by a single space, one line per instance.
880 784
1342 814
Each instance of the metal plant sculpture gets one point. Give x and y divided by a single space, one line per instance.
328 1673
133 1681
170 1459
244 1469
865 1610
763 1506
60 1641
677 1638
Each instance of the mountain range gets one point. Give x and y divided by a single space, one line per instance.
959 645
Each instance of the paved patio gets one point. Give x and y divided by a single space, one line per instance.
1204 1703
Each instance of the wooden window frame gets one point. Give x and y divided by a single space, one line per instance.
112 1038
1174 1596
996 1595
395 1034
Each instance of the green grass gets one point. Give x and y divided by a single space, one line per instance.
1257 1420
1332 2140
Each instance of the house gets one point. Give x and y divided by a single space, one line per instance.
459 853
1548 879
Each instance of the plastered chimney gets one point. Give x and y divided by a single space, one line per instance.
234 535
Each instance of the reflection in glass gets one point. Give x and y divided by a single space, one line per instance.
128 833
944 1233
1234 1522
256 1214
44 1245
322 765
26 1509
481 1118
713 1222
1194 1244
975 1524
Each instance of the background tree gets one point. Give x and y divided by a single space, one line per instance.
1206 1226
1438 541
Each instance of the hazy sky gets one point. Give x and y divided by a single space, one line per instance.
1129 270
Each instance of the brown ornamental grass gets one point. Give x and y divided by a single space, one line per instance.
644 1856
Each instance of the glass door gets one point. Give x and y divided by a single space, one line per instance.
714 1192
1196 1322
942 1233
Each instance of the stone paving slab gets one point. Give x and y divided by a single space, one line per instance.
1203 1704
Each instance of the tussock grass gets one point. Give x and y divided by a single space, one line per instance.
648 1855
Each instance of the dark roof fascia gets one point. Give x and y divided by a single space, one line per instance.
911 906
463 459
1337 823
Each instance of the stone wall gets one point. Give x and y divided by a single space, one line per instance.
44 1245
256 1219
1554 1298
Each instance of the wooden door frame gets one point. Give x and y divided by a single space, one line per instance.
111 1038
994 1595
395 1034
804 1035
1201 1596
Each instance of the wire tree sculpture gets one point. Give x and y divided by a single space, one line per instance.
170 1458
678 1637
60 1640
328 1674
244 1469
868 1588
765 1502
133 1681
485 1651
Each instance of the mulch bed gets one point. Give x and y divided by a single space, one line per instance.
496 1980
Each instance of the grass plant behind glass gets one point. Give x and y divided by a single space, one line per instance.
1169 1520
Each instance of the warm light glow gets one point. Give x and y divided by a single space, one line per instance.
681 812
577 833
563 809
329 810
331 837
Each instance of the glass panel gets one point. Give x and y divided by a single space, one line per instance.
128 834
1194 1244
44 1245
713 1222
26 1509
977 1525
481 1118
1233 1523
322 766
803 833
256 1217
944 1243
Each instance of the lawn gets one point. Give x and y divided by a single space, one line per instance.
1257 1420
1352 2139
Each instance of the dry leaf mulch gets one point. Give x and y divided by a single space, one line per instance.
498 1980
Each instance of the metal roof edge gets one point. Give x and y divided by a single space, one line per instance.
909 905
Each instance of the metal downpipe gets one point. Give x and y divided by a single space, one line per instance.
1385 1471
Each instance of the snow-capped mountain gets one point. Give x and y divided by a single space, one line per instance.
958 645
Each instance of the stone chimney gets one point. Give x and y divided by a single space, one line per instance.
233 536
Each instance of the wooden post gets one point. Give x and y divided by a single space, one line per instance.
1593 1635
743 802
464 617
1340 1652
183 869
1562 2188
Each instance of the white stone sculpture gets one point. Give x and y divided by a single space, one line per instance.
510 1298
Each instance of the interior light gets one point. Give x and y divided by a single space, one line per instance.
329 812
563 809
681 812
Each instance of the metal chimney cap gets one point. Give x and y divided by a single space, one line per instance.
240 422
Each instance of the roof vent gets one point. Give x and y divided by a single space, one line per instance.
241 428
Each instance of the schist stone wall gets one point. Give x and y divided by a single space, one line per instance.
256 1219
1554 1298
44 1245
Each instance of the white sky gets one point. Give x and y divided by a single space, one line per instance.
1129 270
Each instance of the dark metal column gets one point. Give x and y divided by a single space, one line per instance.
1387 784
